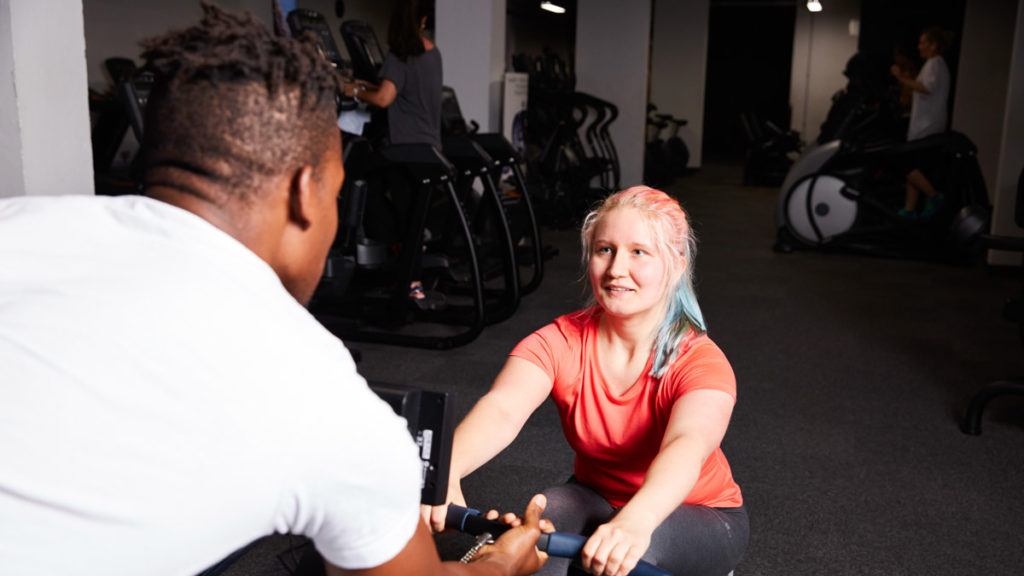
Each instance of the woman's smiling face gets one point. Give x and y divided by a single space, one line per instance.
627 271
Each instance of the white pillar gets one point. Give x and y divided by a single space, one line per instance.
12 178
679 55
612 48
45 145
471 37
1011 153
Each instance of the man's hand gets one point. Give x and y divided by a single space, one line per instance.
514 554
546 527
517 548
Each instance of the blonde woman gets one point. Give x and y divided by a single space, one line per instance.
644 397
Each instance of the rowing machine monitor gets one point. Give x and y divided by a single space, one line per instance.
431 424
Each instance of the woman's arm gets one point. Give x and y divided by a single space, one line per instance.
380 96
909 81
695 429
520 388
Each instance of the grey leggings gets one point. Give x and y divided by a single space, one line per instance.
693 540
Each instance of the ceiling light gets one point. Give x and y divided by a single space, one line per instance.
552 7
814 5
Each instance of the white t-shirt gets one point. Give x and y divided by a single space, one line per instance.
928 111
164 401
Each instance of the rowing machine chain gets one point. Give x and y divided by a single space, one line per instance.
481 541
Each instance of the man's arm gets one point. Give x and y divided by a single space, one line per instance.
514 554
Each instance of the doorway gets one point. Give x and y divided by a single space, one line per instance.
750 56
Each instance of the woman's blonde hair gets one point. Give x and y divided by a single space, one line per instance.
942 38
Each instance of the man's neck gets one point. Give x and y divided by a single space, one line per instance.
248 226
195 201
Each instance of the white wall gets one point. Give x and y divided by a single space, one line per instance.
1011 156
822 44
679 55
44 112
471 37
612 47
983 77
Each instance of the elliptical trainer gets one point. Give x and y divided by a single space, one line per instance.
845 194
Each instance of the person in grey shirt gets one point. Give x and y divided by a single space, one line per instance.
410 89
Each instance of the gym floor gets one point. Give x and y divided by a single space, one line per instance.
852 371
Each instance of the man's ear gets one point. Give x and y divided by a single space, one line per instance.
301 195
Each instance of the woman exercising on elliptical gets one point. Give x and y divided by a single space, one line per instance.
927 116
410 89
644 398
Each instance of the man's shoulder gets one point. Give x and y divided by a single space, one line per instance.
53 207
115 212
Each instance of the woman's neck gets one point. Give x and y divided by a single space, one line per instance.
634 335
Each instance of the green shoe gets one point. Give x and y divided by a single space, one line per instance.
931 206
905 214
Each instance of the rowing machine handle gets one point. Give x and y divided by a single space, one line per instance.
557 544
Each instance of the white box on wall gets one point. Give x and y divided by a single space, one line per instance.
515 100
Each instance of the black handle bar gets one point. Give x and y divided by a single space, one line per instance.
557 544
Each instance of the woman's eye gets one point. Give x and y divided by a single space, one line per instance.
639 252
604 250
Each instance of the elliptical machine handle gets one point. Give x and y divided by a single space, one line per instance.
557 544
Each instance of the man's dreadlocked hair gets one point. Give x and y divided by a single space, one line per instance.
234 104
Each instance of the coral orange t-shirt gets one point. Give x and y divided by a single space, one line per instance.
617 437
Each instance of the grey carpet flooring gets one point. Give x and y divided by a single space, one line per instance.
852 373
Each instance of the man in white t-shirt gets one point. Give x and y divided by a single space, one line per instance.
165 398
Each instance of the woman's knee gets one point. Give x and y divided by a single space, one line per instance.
575 508
700 540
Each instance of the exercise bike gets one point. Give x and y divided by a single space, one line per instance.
845 195
665 158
